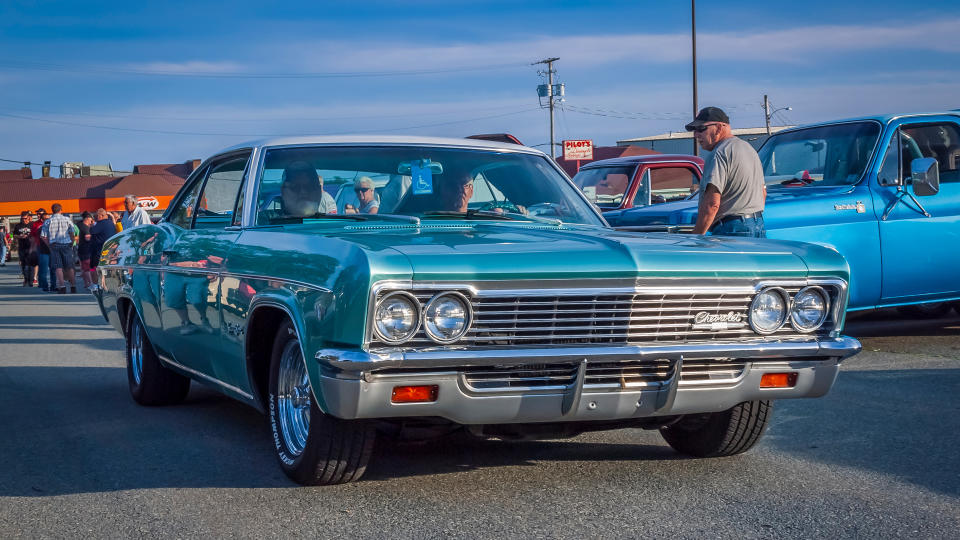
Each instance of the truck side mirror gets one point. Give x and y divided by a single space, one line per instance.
925 173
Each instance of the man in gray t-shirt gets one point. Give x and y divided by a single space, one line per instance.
732 190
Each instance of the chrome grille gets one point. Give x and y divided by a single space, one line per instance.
614 319
613 376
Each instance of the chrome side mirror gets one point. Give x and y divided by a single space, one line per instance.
925 173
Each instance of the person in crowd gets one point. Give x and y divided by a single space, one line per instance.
302 193
134 214
732 190
100 232
25 252
59 234
366 195
4 240
84 243
43 252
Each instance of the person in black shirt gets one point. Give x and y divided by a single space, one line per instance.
84 243
28 259
100 231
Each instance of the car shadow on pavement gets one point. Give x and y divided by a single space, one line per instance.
77 430
900 423
461 453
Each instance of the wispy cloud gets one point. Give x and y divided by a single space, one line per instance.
190 66
791 45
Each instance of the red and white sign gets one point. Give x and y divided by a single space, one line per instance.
577 150
148 203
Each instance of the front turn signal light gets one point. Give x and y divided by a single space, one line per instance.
778 380
414 394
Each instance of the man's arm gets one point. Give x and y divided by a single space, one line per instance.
707 210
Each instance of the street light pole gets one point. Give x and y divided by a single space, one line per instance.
693 42
767 113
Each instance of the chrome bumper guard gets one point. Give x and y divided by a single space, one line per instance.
353 384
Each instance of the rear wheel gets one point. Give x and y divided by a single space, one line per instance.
725 433
150 382
313 448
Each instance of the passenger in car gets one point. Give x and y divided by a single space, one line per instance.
456 193
366 195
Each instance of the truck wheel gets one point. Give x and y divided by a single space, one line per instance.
725 433
150 382
313 448
926 311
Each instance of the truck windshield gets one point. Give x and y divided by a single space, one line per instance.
833 155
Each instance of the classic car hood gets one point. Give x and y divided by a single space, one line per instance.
685 212
523 251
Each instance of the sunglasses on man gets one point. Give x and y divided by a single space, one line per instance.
362 189
701 129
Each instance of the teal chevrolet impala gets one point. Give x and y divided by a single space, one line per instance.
469 287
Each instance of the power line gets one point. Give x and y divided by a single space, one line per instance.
270 119
242 75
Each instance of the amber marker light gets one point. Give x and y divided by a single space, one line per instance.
414 394
778 380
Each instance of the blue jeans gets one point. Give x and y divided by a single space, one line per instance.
3 254
741 226
43 272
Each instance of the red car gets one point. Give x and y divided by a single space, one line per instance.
627 182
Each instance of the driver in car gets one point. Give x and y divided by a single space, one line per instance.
302 193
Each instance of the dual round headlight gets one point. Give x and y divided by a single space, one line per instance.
770 309
445 318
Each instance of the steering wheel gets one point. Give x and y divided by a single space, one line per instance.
506 206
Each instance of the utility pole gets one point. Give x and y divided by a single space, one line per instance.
766 112
693 41
549 91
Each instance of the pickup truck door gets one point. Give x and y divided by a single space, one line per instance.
919 254
205 231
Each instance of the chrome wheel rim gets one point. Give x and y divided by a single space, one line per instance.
293 399
136 351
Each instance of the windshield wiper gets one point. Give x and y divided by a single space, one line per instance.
490 214
367 217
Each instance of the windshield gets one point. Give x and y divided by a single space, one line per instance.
422 182
605 186
833 155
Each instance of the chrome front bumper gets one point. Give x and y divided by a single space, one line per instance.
354 385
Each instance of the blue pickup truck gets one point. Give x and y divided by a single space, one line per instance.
884 191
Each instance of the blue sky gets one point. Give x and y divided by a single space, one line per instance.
163 82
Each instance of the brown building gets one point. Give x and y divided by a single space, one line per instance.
154 185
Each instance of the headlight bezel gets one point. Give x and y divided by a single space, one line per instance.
468 316
418 316
823 316
787 307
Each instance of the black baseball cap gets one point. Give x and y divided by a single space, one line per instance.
707 115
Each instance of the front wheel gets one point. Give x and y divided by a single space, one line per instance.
725 433
313 448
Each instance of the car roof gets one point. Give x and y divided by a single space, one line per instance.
384 140
645 158
882 118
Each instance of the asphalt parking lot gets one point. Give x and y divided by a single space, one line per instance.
877 457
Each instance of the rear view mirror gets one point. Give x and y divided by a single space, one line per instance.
435 166
925 173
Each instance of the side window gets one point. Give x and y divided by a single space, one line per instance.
890 169
938 141
672 183
182 215
218 201
642 197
